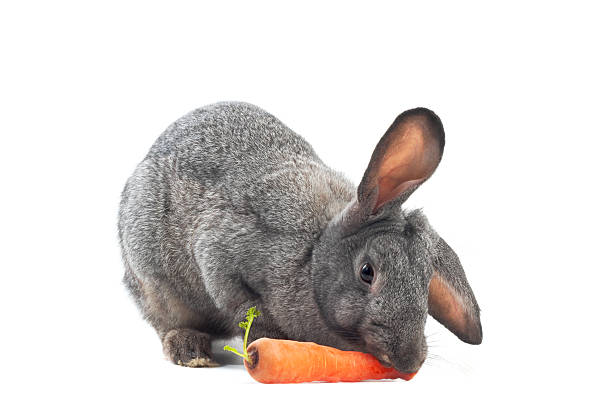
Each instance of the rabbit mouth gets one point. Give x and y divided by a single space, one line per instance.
380 355
404 363
385 360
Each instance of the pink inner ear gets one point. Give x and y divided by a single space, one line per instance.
393 188
446 306
408 160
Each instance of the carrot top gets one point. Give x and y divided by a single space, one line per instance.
251 314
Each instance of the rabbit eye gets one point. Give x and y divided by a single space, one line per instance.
367 273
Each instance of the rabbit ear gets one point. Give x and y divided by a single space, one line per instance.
451 300
405 156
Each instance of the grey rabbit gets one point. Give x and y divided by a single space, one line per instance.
232 209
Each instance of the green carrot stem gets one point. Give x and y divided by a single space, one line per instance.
252 313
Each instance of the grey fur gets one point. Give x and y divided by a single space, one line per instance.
231 209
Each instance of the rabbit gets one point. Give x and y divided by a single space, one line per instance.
232 209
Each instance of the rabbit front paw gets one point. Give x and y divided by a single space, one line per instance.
188 348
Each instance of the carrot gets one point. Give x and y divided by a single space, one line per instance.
284 361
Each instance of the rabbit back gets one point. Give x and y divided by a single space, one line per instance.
223 212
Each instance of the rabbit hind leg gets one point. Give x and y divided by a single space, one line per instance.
176 324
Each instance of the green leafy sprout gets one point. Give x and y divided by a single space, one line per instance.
251 314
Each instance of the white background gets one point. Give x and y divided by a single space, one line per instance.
522 193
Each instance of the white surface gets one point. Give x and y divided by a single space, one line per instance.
522 193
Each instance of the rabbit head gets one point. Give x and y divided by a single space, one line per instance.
378 271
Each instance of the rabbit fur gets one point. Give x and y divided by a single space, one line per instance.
232 209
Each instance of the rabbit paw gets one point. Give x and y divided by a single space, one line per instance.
189 348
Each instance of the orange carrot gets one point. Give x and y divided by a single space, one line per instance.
285 361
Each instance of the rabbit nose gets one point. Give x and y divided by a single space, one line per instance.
409 362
